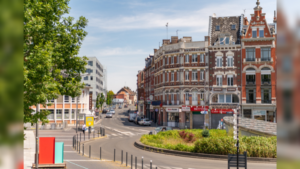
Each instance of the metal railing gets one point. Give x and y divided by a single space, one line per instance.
250 101
250 82
265 59
250 59
266 81
266 101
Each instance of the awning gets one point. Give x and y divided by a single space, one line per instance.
199 108
221 111
265 72
250 72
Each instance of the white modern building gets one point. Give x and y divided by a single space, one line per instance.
96 78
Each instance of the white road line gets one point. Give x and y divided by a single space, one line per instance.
70 152
86 160
76 164
114 134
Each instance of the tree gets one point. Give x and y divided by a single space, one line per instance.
100 100
51 44
110 96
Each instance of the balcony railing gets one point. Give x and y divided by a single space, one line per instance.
266 101
250 82
250 59
265 59
250 101
266 81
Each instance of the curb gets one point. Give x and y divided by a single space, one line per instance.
142 146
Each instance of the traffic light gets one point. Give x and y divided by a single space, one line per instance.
234 124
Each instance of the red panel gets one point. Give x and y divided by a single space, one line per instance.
199 108
47 150
221 111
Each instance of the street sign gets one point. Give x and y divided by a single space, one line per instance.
89 121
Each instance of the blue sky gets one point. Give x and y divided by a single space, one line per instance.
122 33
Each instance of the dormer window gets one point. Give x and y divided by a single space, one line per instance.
232 27
227 40
218 28
261 33
254 34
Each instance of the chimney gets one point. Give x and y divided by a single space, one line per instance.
214 15
187 38
166 41
207 39
275 17
174 39
246 21
155 50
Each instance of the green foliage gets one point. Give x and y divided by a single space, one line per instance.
205 133
100 100
51 43
217 143
110 96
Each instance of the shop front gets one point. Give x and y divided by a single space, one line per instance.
186 113
199 116
216 116
141 107
155 105
265 114
172 117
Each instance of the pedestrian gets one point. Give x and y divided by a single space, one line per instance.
83 128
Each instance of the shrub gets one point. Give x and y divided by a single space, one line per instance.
205 133
190 138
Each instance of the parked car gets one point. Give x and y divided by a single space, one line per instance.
131 117
104 110
125 106
145 122
120 107
137 119
108 115
112 111
159 129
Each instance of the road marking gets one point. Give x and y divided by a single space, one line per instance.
114 134
76 164
87 160
70 152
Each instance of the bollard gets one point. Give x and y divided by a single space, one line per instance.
126 159
84 136
90 154
82 149
94 134
135 162
151 164
142 162
79 147
73 142
122 157
103 132
80 137
98 133
131 161
114 154
100 153
89 135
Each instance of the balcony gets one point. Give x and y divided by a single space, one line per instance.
250 82
251 101
266 82
265 59
250 59
266 101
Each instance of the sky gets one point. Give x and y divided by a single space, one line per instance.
122 33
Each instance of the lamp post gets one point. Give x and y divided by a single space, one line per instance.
37 139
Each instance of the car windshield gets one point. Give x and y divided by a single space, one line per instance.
108 113
158 128
169 128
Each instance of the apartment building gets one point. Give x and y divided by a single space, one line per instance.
96 78
224 66
259 67
140 92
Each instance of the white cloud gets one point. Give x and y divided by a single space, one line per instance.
119 51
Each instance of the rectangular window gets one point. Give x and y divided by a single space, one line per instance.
232 27
51 100
187 75
219 62
67 99
266 79
250 54
230 80
201 96
202 58
187 96
261 33
221 41
254 34
217 27
229 62
167 77
172 60
186 58
194 75
73 99
201 75
172 77
227 40
219 80
178 59
163 61
58 113
167 60
163 77
91 77
265 54
86 78
66 116
51 115
178 76
90 63
228 98
194 58
221 98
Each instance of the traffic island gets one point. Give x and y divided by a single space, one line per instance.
142 146
54 166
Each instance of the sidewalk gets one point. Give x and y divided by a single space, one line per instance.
29 149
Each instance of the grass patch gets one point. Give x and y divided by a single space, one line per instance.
218 142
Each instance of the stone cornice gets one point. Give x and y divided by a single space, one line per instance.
258 39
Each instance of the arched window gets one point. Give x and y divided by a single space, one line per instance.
250 76
266 75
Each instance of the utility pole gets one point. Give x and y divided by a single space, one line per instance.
37 139
76 114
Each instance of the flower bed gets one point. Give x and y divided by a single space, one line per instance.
218 142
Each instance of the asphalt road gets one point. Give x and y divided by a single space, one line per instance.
122 134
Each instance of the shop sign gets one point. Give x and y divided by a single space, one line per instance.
141 98
186 108
172 109
151 107
199 108
221 111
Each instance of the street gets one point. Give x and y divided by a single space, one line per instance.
121 135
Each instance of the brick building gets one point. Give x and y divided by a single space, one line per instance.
259 67
140 92
224 66
127 94
149 87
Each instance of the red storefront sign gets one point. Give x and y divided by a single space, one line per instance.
199 108
221 111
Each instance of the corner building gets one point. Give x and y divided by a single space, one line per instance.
259 67
180 82
224 66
